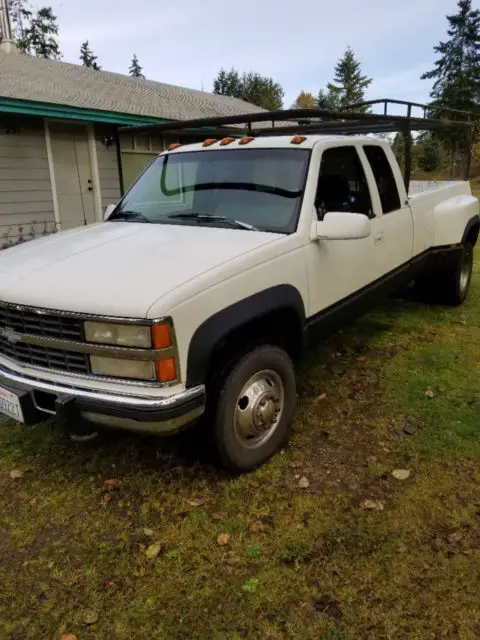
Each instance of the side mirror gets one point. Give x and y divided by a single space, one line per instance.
108 211
342 226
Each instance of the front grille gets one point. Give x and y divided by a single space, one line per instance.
42 324
45 325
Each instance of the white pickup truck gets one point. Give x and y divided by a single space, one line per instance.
204 284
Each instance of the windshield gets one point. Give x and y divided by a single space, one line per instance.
256 189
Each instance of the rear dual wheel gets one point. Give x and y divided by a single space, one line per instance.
449 285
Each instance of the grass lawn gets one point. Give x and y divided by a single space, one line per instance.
133 538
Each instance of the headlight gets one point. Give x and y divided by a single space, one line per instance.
120 368
123 335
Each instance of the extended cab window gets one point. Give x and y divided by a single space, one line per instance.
342 184
387 187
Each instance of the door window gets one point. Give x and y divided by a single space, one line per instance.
382 171
342 183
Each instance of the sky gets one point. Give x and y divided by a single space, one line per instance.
185 42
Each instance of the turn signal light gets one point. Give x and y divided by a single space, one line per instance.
166 370
161 336
226 141
208 142
173 146
297 140
246 140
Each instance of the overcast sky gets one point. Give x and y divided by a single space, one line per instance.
185 42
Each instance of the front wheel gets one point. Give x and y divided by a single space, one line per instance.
254 409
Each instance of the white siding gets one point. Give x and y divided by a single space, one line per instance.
26 202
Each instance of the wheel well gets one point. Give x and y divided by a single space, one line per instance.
281 328
472 235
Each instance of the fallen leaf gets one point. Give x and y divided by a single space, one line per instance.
89 616
68 636
257 526
401 474
322 396
223 538
232 558
16 474
112 482
195 502
148 532
218 516
303 483
455 537
429 393
409 429
154 549
372 505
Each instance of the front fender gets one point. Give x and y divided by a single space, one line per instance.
218 326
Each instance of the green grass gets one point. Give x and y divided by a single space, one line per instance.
299 563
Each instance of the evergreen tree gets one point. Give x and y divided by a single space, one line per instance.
349 84
252 87
327 99
456 75
135 69
431 154
38 32
88 58
398 148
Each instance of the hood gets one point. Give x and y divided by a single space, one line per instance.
117 268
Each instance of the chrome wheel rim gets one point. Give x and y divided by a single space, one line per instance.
259 409
465 273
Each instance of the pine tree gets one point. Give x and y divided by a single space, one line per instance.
135 69
228 83
327 99
88 58
431 154
349 84
35 33
252 87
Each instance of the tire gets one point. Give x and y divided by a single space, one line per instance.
449 286
254 408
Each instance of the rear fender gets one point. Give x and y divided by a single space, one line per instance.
454 219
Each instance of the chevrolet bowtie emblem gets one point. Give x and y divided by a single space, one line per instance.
10 335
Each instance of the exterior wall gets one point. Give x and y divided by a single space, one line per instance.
107 167
26 200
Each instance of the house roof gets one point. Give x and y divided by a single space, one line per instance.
26 78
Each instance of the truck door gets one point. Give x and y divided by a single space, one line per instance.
340 269
397 221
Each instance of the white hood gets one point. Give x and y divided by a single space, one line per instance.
117 268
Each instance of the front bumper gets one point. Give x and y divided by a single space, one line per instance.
148 414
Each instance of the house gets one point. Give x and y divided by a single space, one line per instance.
61 163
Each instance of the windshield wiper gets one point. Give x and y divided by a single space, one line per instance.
207 217
134 216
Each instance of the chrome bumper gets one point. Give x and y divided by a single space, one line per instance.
134 413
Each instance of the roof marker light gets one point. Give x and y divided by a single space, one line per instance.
246 140
297 140
208 142
173 146
226 141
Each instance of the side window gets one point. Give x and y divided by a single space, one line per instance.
387 187
342 184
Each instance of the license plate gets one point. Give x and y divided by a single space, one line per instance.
10 405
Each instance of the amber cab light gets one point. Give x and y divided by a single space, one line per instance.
246 140
166 370
297 140
226 141
208 142
162 338
173 146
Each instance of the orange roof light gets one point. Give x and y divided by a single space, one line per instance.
161 336
226 141
174 145
246 140
208 142
297 140
166 370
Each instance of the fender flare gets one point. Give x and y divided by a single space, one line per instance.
218 326
471 224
